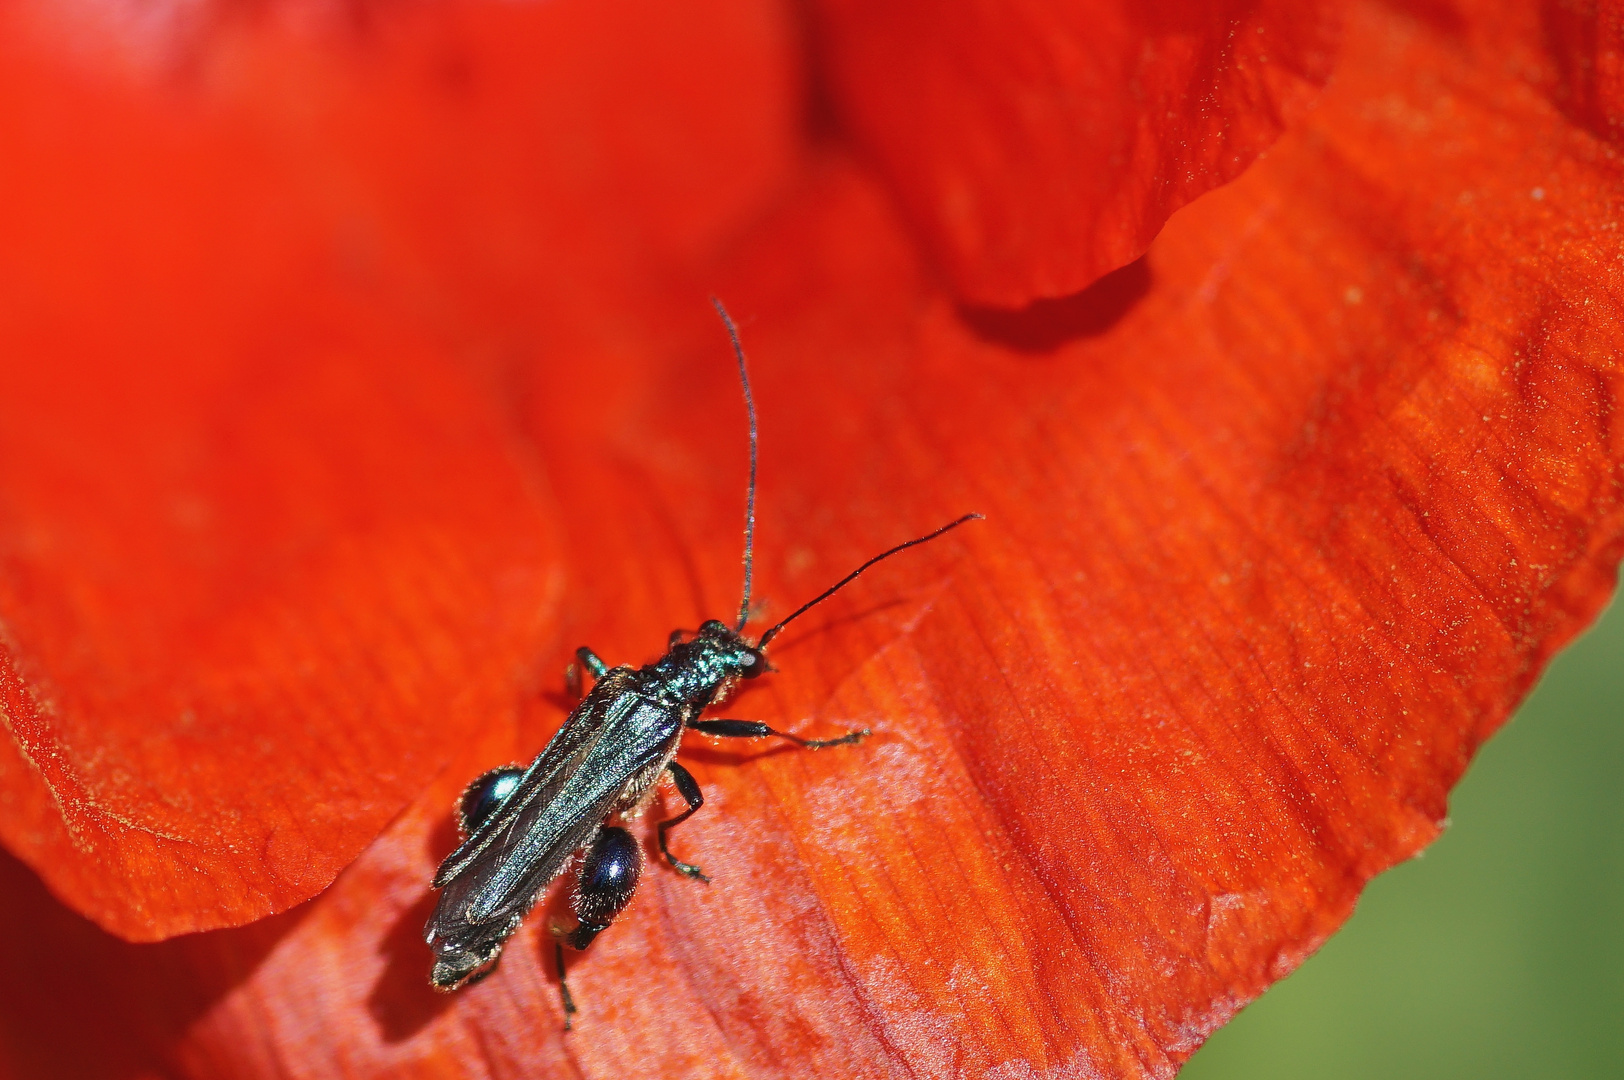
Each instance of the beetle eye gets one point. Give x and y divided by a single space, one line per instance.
754 666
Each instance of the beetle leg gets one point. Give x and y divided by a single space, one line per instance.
605 883
485 796
754 729
688 788
564 987
585 658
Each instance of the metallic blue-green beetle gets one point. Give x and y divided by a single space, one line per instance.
522 827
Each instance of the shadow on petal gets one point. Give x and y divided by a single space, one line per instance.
1046 325
402 1001
59 971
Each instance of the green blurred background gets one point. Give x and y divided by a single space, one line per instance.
1499 952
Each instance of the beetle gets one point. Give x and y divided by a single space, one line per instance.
523 827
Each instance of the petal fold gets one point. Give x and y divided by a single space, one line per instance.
1037 146
1585 40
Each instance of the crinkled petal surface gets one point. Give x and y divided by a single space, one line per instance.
1281 521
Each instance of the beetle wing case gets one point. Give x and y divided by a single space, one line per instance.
490 882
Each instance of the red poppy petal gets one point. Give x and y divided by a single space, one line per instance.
1280 525
272 546
250 604
1575 50
1036 146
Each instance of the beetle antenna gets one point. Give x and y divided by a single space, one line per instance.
849 578
750 492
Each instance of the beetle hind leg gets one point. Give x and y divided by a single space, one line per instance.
485 795
603 886
605 883
566 999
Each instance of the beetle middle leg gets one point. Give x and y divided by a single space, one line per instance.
584 658
688 788
754 729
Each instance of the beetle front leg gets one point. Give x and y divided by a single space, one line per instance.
688 788
584 658
754 729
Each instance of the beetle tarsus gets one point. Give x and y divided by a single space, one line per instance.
851 738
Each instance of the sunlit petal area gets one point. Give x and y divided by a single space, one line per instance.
1498 953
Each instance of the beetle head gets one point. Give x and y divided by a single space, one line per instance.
731 650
